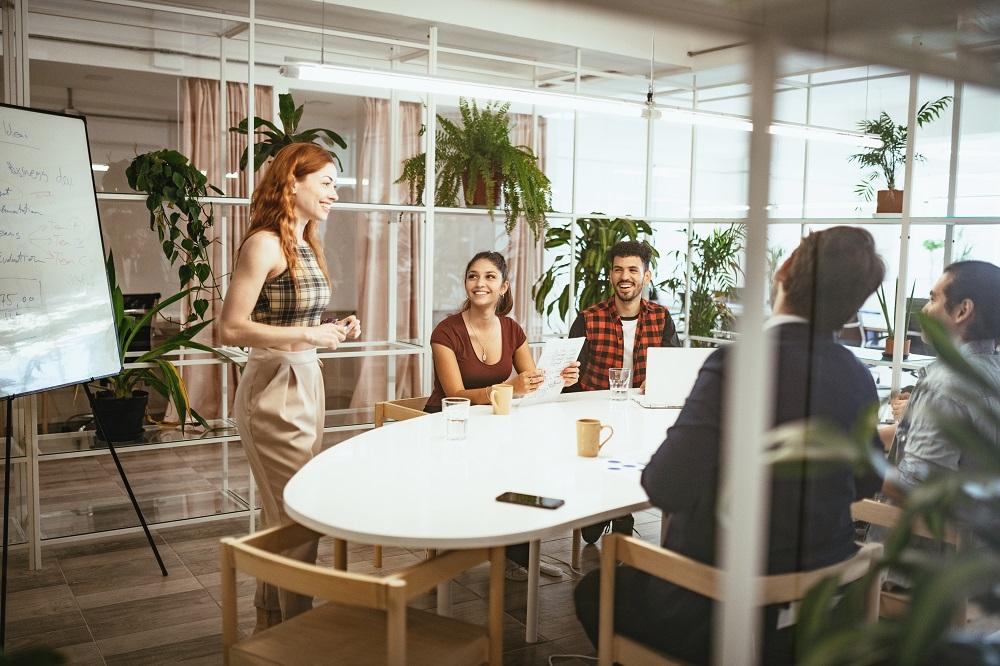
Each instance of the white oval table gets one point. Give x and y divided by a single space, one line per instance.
404 484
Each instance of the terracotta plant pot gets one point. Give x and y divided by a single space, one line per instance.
121 418
889 201
890 347
479 196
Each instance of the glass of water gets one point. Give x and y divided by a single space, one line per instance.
620 379
456 417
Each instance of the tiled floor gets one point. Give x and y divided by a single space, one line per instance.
105 602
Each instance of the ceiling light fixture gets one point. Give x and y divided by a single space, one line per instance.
617 107
651 112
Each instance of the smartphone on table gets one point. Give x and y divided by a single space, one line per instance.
530 500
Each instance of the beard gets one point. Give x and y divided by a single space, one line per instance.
636 293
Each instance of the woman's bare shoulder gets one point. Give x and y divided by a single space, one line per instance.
263 241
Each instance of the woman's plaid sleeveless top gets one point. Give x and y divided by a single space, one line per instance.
282 303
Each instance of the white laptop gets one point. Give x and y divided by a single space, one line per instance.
670 375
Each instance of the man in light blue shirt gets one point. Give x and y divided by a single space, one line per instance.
966 300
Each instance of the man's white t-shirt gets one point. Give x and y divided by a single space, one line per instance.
628 338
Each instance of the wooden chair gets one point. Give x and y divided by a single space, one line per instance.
365 620
893 604
396 410
706 581
399 410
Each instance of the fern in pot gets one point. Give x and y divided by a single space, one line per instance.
475 157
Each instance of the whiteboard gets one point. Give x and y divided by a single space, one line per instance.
56 321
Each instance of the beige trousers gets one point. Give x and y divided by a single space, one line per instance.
280 409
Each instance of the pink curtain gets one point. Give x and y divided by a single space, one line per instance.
202 143
524 251
374 184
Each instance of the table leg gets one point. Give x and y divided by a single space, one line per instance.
443 592
531 625
575 558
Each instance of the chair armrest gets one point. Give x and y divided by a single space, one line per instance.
665 564
280 538
876 513
425 575
887 515
309 579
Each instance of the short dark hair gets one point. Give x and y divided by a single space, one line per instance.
631 248
506 302
830 275
978 281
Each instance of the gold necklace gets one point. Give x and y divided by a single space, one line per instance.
476 336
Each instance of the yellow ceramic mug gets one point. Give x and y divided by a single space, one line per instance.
500 397
588 437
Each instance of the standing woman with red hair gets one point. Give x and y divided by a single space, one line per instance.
279 291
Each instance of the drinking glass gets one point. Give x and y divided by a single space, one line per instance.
620 379
456 417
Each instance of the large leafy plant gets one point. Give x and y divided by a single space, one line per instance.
477 155
715 269
174 188
832 634
886 160
275 138
594 237
162 376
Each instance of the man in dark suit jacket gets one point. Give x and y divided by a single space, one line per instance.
823 282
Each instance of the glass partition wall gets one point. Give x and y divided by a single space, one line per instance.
394 259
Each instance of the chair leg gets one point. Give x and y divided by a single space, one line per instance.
340 554
378 557
606 612
575 557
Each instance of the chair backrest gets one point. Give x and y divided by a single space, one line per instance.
399 410
708 582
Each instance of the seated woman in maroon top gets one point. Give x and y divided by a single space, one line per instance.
481 347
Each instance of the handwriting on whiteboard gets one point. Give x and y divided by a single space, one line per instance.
19 296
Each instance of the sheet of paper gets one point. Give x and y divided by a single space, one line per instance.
556 355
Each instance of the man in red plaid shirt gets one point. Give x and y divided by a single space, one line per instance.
618 332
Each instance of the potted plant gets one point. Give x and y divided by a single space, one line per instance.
594 237
890 341
121 403
886 159
276 138
173 188
478 159
715 269
942 580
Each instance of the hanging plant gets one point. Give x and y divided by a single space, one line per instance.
276 138
173 187
477 159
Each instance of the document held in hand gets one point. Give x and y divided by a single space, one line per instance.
556 355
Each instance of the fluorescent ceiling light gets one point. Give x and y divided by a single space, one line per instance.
441 86
825 134
99 167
